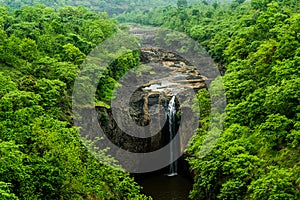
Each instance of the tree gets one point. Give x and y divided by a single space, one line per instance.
181 3
5 192
276 184
73 54
42 155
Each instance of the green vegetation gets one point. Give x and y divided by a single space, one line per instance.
110 6
257 43
41 153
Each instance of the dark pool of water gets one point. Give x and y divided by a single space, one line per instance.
163 187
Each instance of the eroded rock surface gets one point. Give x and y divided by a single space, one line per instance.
149 102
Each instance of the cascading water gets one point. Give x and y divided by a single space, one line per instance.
172 131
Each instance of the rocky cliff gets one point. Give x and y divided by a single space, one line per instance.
176 76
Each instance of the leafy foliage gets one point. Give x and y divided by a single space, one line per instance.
257 43
41 153
110 6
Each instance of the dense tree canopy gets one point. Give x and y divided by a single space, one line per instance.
110 6
41 154
257 43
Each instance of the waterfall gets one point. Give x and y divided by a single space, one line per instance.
172 131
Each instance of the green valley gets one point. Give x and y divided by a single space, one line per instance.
255 45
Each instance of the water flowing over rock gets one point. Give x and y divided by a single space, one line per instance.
177 75
164 78
172 132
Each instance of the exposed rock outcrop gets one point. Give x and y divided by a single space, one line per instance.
177 75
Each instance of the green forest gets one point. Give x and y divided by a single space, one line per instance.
112 7
41 153
256 45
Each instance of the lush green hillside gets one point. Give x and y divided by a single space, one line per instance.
109 6
258 44
41 153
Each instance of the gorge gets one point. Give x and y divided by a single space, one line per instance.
156 101
87 111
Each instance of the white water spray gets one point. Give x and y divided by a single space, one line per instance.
172 131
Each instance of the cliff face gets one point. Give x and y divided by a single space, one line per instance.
140 104
148 104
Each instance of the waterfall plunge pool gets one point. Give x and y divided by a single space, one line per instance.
174 181
160 186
